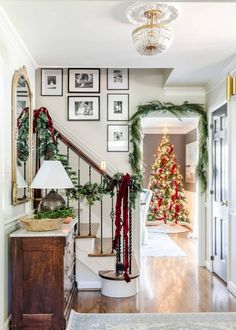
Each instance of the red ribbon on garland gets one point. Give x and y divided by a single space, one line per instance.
173 169
25 110
37 113
123 196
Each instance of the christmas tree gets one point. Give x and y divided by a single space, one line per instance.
166 182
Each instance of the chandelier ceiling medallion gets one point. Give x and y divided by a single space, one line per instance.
152 36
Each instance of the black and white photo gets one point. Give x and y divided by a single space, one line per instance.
51 82
118 107
84 108
118 138
83 80
117 79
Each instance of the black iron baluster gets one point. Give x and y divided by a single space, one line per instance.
68 158
78 228
90 223
130 231
112 214
25 180
101 247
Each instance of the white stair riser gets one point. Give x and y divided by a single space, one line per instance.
87 268
119 289
86 278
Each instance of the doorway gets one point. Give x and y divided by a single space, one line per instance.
183 136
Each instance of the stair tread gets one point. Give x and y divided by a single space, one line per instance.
111 274
106 248
84 230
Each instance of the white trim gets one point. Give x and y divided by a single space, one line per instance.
221 76
7 323
83 145
208 265
13 35
12 223
89 285
187 91
232 212
180 130
232 288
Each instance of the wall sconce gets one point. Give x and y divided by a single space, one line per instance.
230 87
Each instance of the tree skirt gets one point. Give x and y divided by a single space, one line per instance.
180 321
166 228
161 245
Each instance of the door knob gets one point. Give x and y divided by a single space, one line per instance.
224 203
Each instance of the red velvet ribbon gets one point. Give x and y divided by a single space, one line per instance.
171 150
123 196
37 113
160 202
25 110
173 169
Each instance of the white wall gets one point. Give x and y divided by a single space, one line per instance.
216 97
145 85
12 56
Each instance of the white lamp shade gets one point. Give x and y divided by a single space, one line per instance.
21 183
52 175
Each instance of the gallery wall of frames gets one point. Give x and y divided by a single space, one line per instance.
83 99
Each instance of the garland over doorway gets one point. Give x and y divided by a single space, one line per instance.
180 111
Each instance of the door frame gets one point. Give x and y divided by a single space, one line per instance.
200 207
209 262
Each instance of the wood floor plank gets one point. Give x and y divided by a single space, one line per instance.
167 285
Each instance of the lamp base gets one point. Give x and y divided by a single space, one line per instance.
51 202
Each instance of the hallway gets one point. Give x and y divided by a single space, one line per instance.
167 285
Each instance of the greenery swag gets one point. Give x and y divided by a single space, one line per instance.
185 109
47 146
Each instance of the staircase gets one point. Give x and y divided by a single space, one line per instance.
98 265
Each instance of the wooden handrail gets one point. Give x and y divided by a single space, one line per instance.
81 154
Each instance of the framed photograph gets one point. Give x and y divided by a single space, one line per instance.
51 82
22 102
84 108
83 80
117 79
191 162
117 107
118 138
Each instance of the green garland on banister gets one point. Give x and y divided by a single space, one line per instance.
180 111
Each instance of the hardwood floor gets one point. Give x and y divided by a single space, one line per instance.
167 285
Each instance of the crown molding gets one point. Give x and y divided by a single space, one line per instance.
219 79
13 35
188 91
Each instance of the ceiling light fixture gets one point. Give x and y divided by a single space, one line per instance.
152 36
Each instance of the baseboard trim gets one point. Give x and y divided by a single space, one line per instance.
232 288
86 285
208 265
7 323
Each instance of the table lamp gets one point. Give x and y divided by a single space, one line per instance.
52 175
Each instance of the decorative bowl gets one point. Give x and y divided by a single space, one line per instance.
32 224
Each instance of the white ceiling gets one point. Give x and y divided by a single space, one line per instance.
97 34
155 124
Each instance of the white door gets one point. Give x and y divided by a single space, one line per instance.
220 192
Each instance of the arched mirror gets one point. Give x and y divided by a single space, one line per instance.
21 137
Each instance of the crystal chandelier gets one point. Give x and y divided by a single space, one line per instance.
153 37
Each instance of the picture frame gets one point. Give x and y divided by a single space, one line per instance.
117 78
83 108
191 162
51 82
118 138
83 80
117 107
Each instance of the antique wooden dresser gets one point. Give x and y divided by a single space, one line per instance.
43 278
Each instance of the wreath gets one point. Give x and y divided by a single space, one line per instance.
180 111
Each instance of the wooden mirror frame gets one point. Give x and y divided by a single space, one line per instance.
22 72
